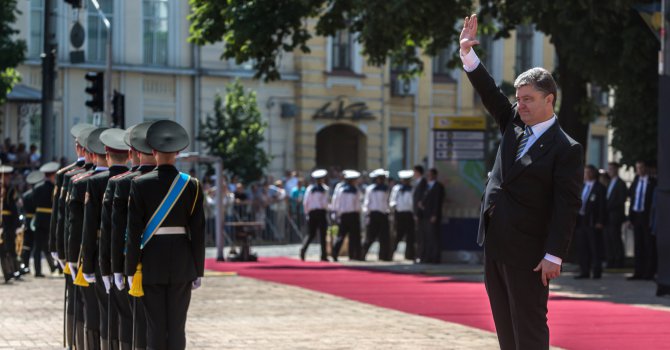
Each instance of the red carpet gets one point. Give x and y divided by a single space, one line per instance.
574 324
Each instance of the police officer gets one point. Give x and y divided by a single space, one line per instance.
315 204
28 210
376 208
43 201
109 145
401 202
115 219
166 237
59 233
346 204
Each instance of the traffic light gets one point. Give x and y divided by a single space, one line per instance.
118 110
96 90
74 3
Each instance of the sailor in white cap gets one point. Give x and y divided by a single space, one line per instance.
315 204
346 204
402 206
376 208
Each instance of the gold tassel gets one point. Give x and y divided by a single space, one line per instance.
67 270
136 289
80 280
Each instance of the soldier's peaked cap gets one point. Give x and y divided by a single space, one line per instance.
50 167
93 142
83 134
138 137
76 129
34 177
113 138
167 136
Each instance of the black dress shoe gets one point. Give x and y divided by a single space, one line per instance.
596 277
39 275
662 290
302 254
634 278
323 258
581 277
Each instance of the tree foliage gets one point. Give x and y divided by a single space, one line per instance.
12 51
235 133
259 31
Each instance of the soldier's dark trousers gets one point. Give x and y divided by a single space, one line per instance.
317 222
108 318
124 306
166 307
404 228
350 223
39 247
378 228
91 316
28 248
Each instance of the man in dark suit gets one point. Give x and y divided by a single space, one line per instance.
431 207
590 224
641 193
531 201
173 260
617 193
419 188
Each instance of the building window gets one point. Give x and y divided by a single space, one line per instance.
342 51
597 151
441 72
36 28
96 37
524 48
397 150
155 32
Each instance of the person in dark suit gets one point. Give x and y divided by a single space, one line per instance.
641 194
43 201
617 193
431 218
590 225
531 200
173 260
418 190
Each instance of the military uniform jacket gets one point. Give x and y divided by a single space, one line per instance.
10 215
119 215
104 243
28 208
53 223
42 198
75 215
93 202
166 258
62 223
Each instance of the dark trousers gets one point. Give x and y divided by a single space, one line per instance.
519 305
27 247
124 309
404 228
90 307
378 228
350 223
40 241
589 241
614 252
166 307
645 246
317 222
108 317
70 309
430 245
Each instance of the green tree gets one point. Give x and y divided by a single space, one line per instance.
260 30
235 132
600 42
12 51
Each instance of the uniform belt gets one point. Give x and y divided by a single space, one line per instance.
6 212
29 216
43 210
171 230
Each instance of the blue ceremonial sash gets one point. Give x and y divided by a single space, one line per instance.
175 191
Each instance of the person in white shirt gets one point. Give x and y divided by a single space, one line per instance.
315 204
346 204
402 204
376 209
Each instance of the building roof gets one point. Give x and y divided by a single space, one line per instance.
24 93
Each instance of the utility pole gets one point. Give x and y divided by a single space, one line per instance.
48 81
108 70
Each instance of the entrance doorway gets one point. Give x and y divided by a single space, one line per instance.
341 146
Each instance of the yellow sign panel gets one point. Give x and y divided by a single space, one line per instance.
459 123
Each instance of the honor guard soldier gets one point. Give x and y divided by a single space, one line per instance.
28 210
315 204
376 208
402 205
76 217
347 207
59 233
10 222
109 145
114 219
43 201
166 243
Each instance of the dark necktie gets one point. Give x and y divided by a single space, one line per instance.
524 140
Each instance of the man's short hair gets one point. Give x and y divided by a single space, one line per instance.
418 169
614 164
539 79
433 171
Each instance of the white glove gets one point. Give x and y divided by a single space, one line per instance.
107 280
54 255
90 278
197 283
119 282
130 281
73 269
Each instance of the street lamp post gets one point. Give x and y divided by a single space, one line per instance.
108 69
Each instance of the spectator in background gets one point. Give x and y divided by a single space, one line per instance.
430 205
34 156
419 189
22 157
291 181
641 192
590 224
277 205
617 192
295 203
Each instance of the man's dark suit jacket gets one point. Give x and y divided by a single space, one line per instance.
432 201
648 197
418 194
616 203
595 211
536 198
